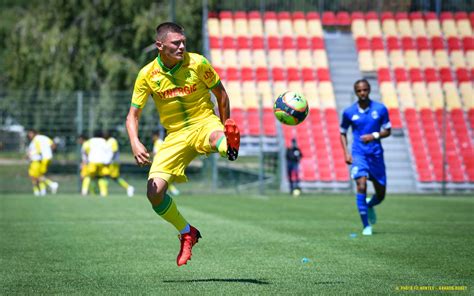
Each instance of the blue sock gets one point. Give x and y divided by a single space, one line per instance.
374 201
362 207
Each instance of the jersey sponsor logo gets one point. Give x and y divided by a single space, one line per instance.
374 114
355 117
177 91
209 75
155 72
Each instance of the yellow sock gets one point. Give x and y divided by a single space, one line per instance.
86 182
36 190
48 182
222 146
103 187
168 210
42 186
122 182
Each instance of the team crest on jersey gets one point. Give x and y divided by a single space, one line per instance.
355 117
374 114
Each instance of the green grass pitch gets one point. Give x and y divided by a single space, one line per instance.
68 244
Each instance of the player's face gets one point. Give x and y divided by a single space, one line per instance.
30 135
173 47
362 91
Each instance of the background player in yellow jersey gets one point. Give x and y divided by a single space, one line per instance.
98 157
40 153
180 84
157 142
114 166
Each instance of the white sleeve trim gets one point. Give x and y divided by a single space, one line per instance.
343 130
388 125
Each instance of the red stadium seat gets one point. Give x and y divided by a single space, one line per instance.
288 42
395 119
274 42
247 74
329 19
214 42
343 18
415 75
240 15
400 75
422 43
445 75
243 42
298 15
401 16
262 74
362 43
317 43
446 15
377 43
460 15
283 15
302 43
431 75
468 43
384 75
416 15
308 74
221 72
225 14
278 74
312 15
293 74
323 74
454 43
393 43
371 15
254 14
387 15
357 15
269 15
228 43
437 43
232 74
463 75
257 42
407 43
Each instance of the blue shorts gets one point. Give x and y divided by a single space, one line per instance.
370 166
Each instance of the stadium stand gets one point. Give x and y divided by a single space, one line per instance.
424 66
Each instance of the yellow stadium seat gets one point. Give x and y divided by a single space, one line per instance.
464 28
245 58
411 59
467 94
457 58
449 28
255 27
260 58
441 59
241 27
453 100
230 58
234 91
271 27
300 28
405 94
216 57
436 95
310 92
421 95
366 62
320 59
264 90
295 86
404 28
389 95
433 27
275 58
227 27
470 58
213 27
426 59
373 28
396 59
389 28
290 58
305 58
286 27
358 28
250 95
419 28
326 95
279 87
314 28
380 59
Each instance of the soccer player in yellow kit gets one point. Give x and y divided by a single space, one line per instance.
179 83
114 166
40 153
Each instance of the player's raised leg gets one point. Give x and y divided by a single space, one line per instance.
376 199
227 143
166 208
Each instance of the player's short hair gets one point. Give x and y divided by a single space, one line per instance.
163 29
362 80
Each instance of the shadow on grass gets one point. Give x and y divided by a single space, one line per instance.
247 281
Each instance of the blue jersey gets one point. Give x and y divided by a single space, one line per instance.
365 121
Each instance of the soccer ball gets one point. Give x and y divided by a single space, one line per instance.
290 108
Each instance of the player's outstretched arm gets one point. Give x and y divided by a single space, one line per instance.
140 153
222 102
347 155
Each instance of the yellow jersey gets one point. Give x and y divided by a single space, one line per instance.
181 94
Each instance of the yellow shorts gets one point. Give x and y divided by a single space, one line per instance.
84 172
34 170
39 168
95 170
181 147
114 170
45 165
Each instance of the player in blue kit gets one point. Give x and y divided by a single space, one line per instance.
370 123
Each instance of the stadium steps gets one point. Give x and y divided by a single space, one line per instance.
345 71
